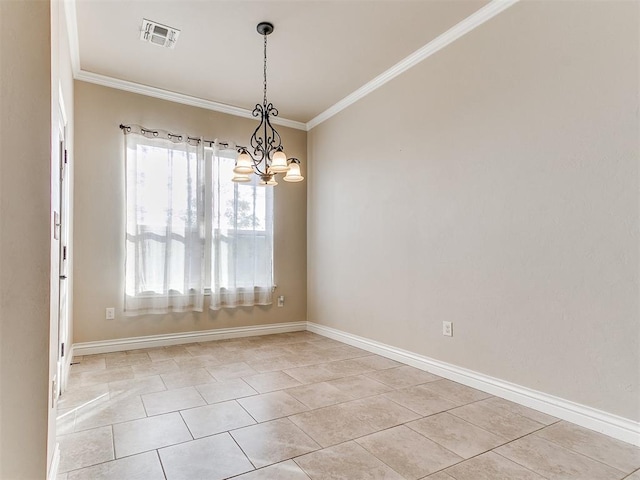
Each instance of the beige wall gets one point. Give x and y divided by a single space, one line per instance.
25 228
99 249
494 185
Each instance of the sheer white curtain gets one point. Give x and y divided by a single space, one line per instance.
165 265
241 237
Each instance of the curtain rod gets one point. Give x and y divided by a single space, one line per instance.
211 143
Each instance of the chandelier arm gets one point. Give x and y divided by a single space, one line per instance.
257 143
266 125
274 140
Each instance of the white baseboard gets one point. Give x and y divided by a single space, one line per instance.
133 343
588 417
55 463
598 420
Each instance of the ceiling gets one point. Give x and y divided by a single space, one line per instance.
320 51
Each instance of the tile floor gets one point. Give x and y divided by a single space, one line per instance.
298 406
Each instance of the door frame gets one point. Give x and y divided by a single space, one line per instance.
64 342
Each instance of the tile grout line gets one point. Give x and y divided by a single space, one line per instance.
487 451
126 421
569 450
108 424
494 450
301 467
629 476
186 425
374 455
517 463
199 438
113 442
98 463
432 440
241 449
248 413
450 412
144 406
161 464
364 374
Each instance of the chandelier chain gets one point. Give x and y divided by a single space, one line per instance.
265 70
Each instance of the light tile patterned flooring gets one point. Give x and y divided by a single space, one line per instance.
298 406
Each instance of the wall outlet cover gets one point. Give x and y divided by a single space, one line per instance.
447 329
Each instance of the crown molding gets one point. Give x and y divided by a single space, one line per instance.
160 93
473 21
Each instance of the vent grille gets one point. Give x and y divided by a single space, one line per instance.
158 34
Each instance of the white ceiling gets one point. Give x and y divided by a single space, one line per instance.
320 51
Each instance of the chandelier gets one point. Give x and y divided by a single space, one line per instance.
265 157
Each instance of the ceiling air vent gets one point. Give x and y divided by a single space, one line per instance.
158 34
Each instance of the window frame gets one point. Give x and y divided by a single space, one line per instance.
210 155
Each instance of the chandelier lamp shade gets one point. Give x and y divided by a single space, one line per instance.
265 156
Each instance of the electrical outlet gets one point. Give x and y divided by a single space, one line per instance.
447 329
110 313
281 301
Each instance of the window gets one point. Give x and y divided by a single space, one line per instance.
240 236
190 228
